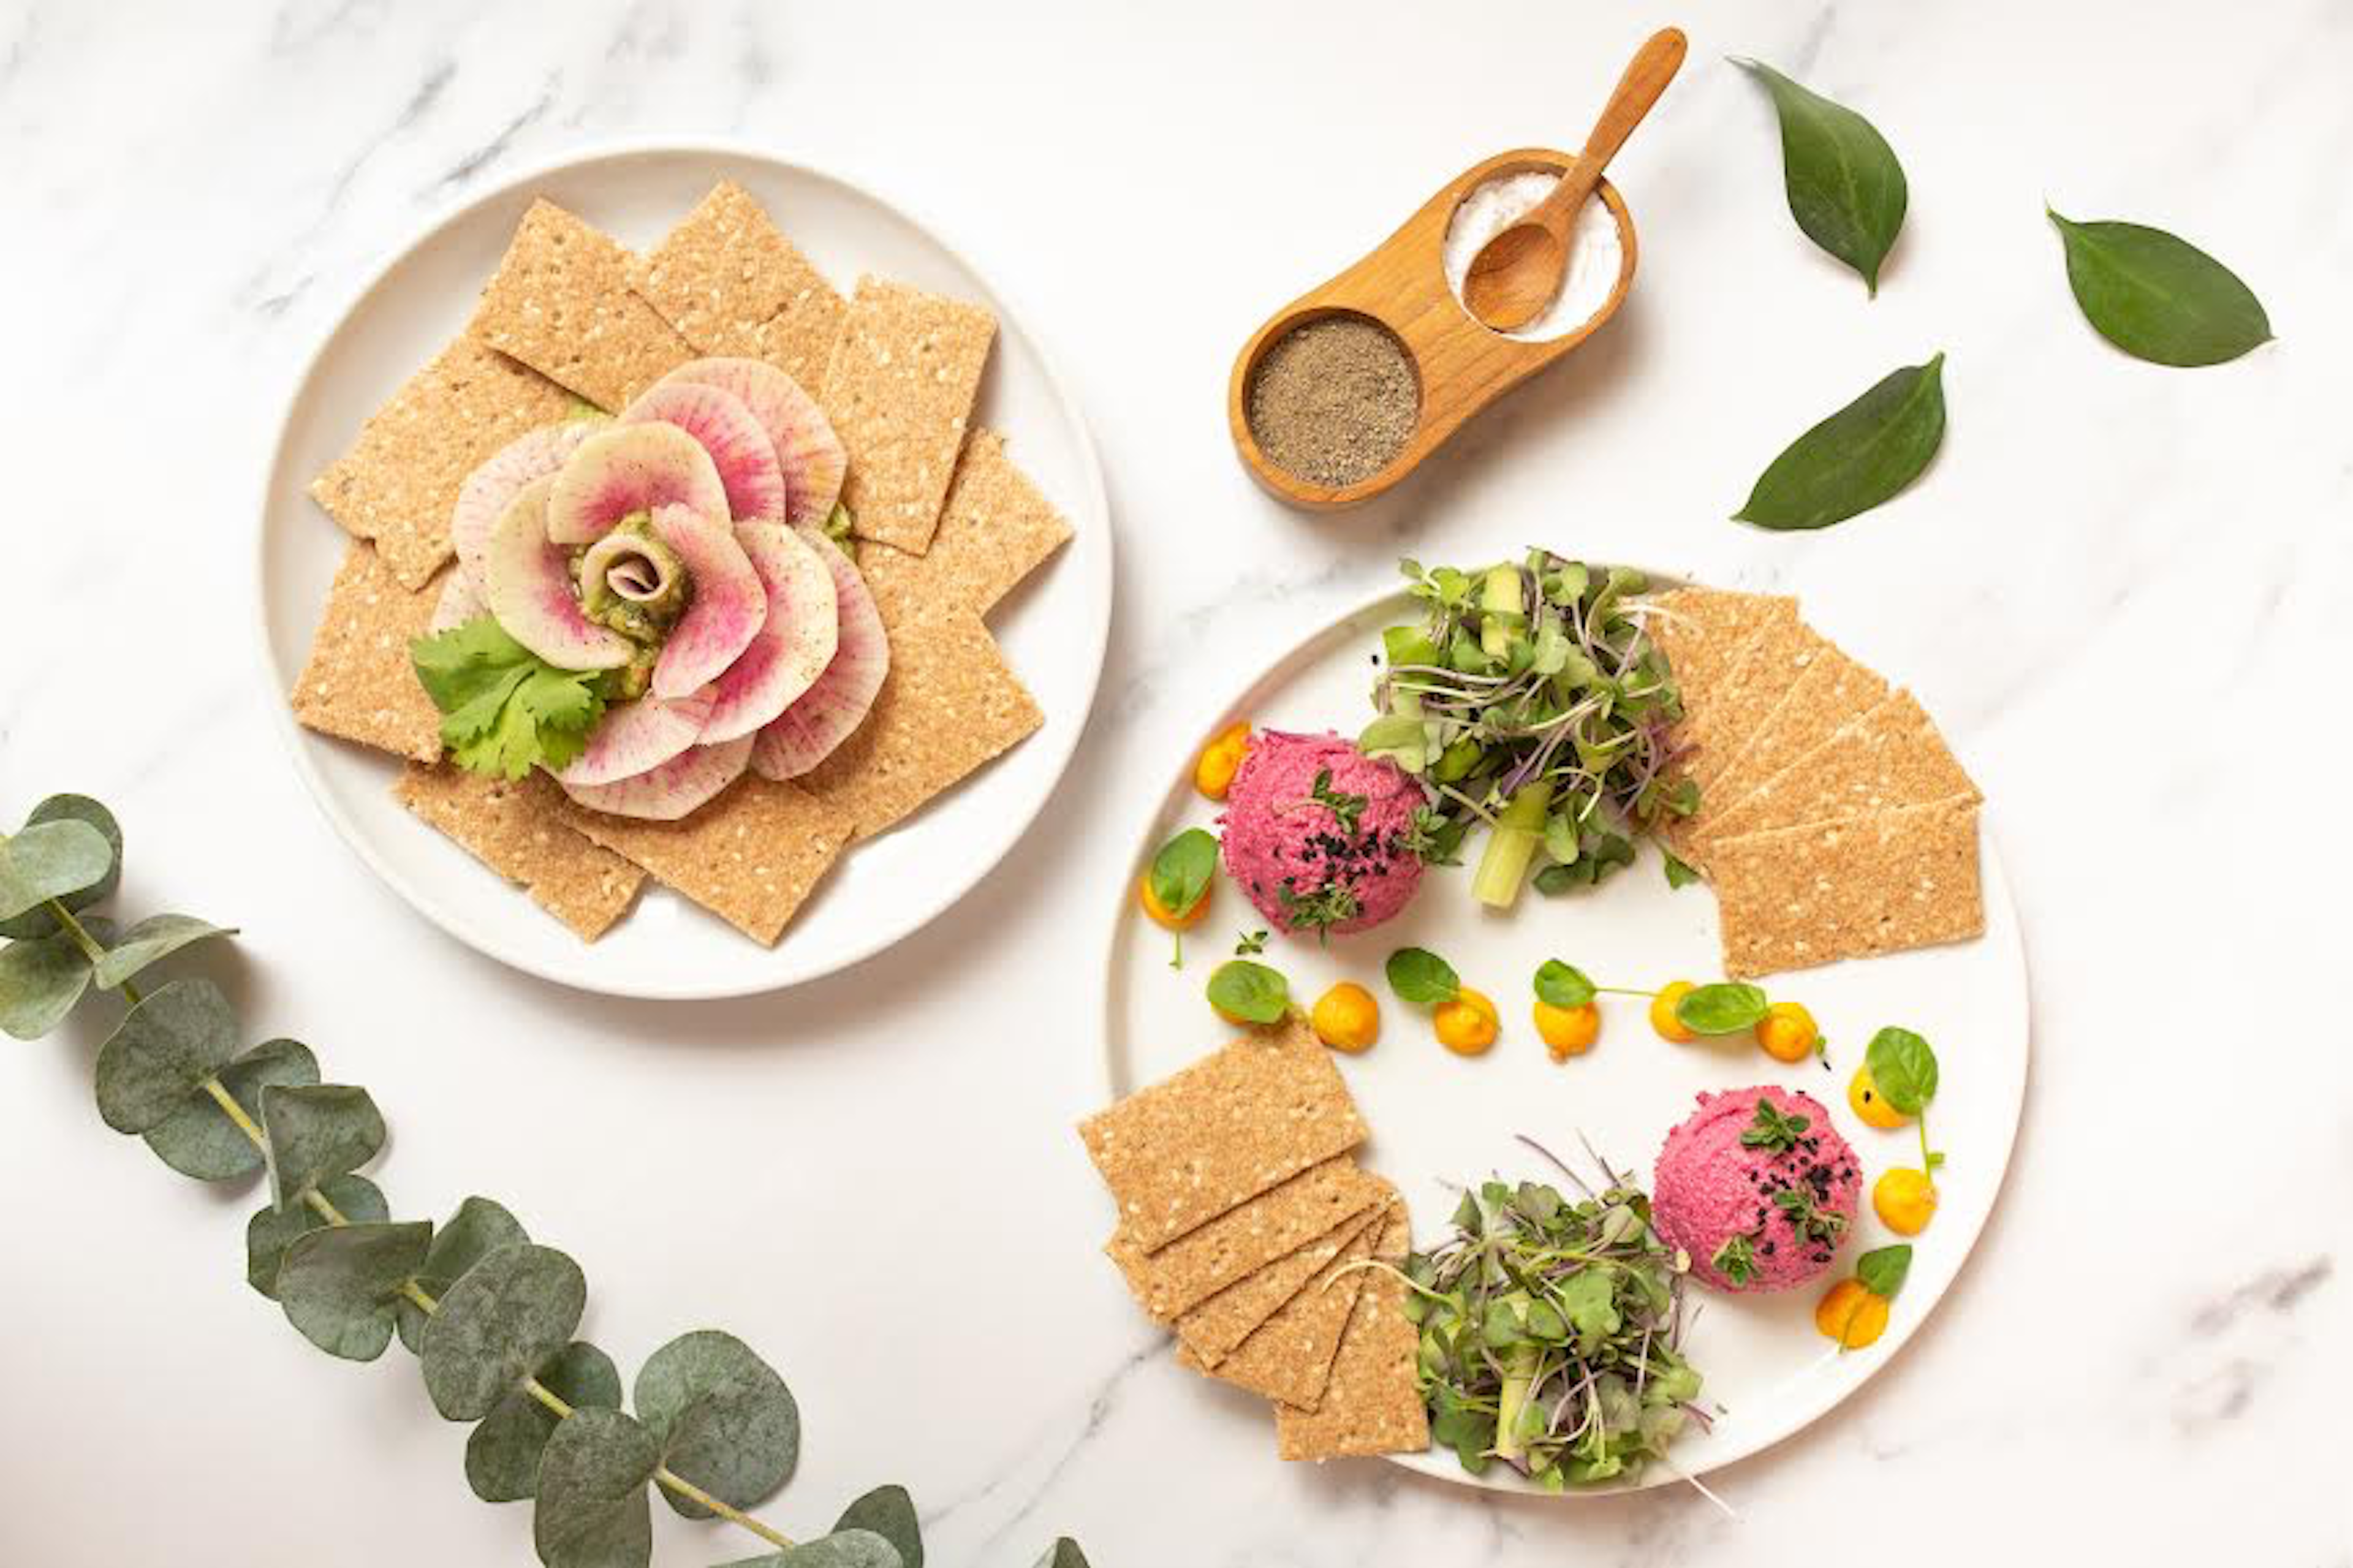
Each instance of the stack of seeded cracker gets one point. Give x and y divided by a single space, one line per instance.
1247 1228
946 526
1833 821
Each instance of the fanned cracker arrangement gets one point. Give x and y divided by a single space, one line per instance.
730 395
1246 1226
1833 821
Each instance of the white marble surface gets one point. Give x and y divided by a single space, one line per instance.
2128 592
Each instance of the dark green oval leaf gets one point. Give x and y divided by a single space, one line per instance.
316 1130
1562 985
888 1512
1856 458
158 936
725 1419
502 1452
1181 872
269 1231
1063 1554
172 1041
2157 296
1845 187
40 981
479 1228
65 851
510 1313
1420 976
199 1140
1722 1009
1250 992
1883 1270
591 1509
338 1283
1903 1068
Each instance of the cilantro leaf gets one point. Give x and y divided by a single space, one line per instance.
504 709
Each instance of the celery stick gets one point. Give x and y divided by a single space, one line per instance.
1511 845
1501 592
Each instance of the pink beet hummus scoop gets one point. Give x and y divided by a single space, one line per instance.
1761 1200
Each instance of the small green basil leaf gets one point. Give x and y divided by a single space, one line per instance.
592 1510
70 849
1562 985
507 1316
1857 458
338 1283
170 1042
1903 1068
158 936
1846 188
502 1452
1678 874
479 1228
888 1511
1420 976
198 1138
1881 1269
314 1131
41 978
271 1232
1722 1009
723 1418
1250 992
1181 872
2157 296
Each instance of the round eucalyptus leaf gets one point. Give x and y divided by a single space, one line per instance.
338 1283
38 921
40 981
591 1511
199 1140
842 1549
503 1450
157 936
726 1420
316 1130
512 1312
479 1228
172 1041
271 1231
1063 1554
889 1514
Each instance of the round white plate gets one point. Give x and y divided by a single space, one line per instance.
1441 1122
1052 629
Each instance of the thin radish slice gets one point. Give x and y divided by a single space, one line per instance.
637 737
739 446
666 793
728 606
797 641
808 450
628 468
459 602
830 711
527 580
533 455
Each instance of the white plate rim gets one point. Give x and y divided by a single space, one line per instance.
1060 742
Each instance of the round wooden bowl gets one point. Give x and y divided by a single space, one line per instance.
1460 365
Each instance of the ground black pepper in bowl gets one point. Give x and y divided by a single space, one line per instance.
1333 401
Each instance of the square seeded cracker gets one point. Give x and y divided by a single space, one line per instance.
400 478
358 683
1830 691
1241 1119
949 704
516 827
899 390
1288 1358
995 530
1701 629
752 857
1890 756
1854 887
561 302
731 284
1372 1401
1211 1329
1183 1273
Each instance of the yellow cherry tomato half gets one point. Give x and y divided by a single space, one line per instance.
1164 917
1346 1018
1787 1032
1905 1199
1213 770
1851 1314
1568 1031
1864 1096
1466 1026
1662 1013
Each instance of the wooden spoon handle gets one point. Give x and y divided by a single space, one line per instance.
1647 75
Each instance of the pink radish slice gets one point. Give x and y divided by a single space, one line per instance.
807 448
667 792
796 643
637 737
739 447
630 469
459 602
727 611
527 581
533 455
829 712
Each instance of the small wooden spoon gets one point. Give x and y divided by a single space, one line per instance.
1517 274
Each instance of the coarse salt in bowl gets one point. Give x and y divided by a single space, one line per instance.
1595 251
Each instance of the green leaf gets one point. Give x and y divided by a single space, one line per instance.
1562 985
271 1232
1401 739
1725 1008
1589 1299
157 936
1903 1070
198 1138
40 921
1420 976
725 1419
505 710
175 1038
479 1228
317 1131
2157 296
338 1282
842 1549
503 1451
888 1511
1063 1554
50 860
40 981
1883 1268
1181 872
1678 874
1845 187
592 1510
1250 992
1858 458
506 1315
